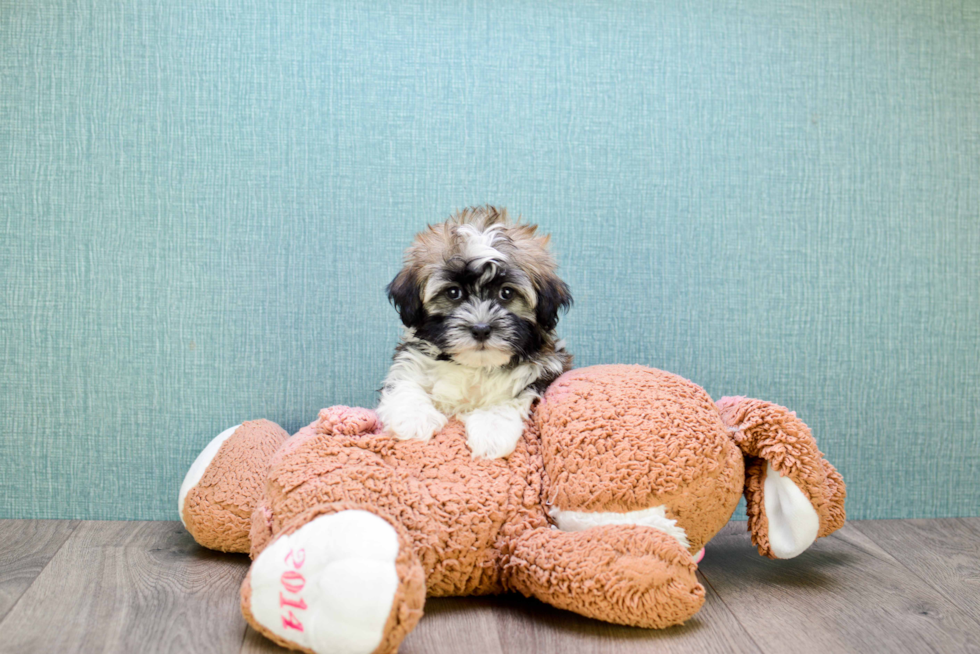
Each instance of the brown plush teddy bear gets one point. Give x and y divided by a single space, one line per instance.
623 474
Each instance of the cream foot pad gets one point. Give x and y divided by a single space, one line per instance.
329 586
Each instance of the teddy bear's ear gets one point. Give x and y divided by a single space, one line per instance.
793 495
405 293
783 521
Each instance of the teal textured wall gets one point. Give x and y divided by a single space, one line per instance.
201 202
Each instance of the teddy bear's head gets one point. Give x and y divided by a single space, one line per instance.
624 443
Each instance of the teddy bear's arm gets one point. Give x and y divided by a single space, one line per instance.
793 495
626 574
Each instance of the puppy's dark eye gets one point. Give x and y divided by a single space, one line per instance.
506 293
454 292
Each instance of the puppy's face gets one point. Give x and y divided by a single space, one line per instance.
480 289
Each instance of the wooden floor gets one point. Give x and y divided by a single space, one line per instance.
877 586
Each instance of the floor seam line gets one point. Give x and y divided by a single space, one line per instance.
3 618
942 592
730 612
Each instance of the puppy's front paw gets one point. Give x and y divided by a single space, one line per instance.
418 423
493 434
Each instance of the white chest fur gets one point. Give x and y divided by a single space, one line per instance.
421 392
458 389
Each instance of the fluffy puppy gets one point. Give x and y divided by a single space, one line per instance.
480 300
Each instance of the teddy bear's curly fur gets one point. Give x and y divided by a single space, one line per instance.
622 475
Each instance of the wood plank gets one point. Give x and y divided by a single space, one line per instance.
256 643
130 587
456 624
449 626
26 546
511 623
944 553
897 586
844 594
528 625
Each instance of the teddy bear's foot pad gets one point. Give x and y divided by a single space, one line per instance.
330 585
200 465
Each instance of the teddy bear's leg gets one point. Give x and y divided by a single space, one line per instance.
793 495
221 488
626 574
338 579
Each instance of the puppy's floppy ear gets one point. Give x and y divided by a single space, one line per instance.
405 293
553 298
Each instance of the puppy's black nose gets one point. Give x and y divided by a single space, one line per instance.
480 331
